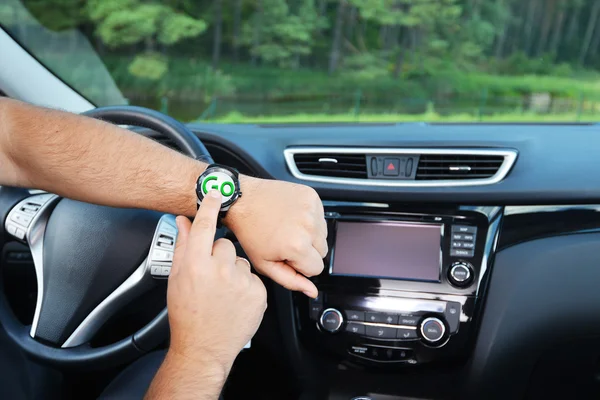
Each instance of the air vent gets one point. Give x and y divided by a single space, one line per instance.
436 167
332 164
459 166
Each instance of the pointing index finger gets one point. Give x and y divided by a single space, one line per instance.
204 227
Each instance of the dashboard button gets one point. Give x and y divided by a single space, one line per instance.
357 329
460 274
355 315
409 320
452 315
461 253
433 329
314 310
406 334
391 167
464 229
331 320
381 332
468 238
381 318
468 245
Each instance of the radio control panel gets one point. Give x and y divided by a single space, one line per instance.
397 289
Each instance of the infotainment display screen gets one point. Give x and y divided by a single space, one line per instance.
397 250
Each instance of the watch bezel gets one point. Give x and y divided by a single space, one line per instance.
226 170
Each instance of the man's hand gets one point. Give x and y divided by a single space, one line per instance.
215 307
282 228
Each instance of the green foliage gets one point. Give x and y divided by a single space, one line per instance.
57 15
276 34
176 27
149 66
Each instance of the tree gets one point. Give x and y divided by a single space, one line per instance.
591 25
237 20
558 27
276 35
336 44
218 26
128 22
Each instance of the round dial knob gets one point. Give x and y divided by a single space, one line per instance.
460 274
331 320
432 329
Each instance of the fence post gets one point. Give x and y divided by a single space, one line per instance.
580 106
482 104
164 105
357 101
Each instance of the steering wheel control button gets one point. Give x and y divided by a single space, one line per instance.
381 332
355 315
165 271
357 329
460 274
331 320
162 255
21 219
406 334
433 329
391 167
166 242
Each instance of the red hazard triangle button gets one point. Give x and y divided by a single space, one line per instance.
391 167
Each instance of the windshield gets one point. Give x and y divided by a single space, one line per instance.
289 61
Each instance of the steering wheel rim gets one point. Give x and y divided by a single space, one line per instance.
153 333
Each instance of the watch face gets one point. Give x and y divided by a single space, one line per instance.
219 179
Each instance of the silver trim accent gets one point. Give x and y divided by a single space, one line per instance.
334 311
510 156
34 235
333 203
437 320
383 325
328 160
460 168
404 305
124 293
134 285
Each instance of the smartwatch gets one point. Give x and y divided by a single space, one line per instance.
221 178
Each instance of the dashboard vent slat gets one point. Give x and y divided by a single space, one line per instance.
332 164
457 166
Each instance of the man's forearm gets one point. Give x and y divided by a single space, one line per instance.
181 378
93 161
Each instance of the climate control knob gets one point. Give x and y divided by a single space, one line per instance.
460 274
331 320
432 329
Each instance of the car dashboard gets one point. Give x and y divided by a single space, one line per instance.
463 259
462 263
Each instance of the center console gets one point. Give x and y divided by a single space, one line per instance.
399 288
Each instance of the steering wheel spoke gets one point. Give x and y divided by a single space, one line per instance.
27 222
140 281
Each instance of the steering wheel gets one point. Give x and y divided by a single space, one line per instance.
92 260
